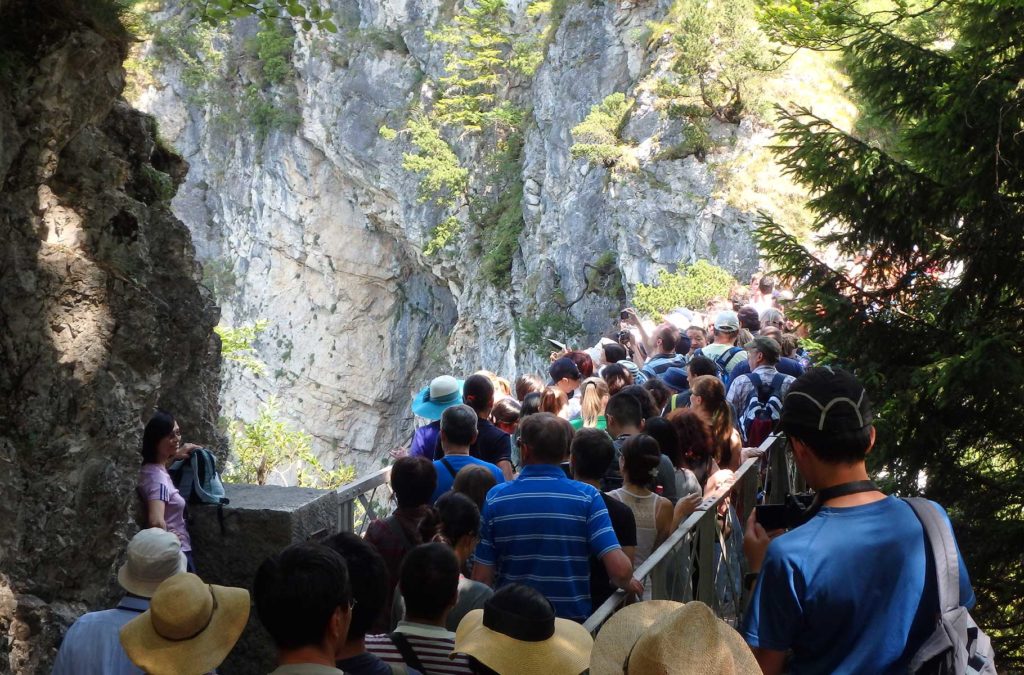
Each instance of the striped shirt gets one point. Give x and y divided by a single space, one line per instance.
431 644
659 363
540 530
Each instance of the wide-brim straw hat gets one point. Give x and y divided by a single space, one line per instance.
567 652
442 393
660 637
189 628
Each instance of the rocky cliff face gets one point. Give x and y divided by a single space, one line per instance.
308 220
101 313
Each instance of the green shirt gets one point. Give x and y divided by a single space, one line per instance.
602 423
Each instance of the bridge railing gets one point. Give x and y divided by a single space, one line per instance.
703 559
364 500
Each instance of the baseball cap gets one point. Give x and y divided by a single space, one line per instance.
563 368
827 399
767 346
727 320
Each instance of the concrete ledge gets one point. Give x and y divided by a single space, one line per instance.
259 521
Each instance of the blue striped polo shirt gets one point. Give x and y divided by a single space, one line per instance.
540 530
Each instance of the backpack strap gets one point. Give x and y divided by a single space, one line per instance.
399 531
406 650
448 466
755 380
943 552
725 357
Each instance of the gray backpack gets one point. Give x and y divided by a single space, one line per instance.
957 645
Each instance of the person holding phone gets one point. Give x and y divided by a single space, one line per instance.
849 590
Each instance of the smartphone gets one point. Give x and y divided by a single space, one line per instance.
773 516
560 346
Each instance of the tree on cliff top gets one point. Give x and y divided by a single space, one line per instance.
931 317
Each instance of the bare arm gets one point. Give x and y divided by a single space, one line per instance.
483 573
736 451
619 569
771 661
684 507
506 468
155 514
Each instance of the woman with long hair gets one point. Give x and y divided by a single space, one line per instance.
696 447
617 377
594 397
553 400
707 398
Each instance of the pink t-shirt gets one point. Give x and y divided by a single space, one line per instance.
155 484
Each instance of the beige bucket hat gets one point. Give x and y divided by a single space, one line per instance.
153 555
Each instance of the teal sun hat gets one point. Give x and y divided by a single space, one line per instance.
442 393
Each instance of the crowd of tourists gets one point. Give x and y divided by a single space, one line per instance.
521 506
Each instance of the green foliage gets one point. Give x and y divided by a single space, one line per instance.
305 13
561 326
268 445
598 137
443 179
268 112
500 218
272 46
932 317
442 234
692 287
236 345
219 277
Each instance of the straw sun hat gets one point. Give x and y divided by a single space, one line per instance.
555 647
189 628
660 637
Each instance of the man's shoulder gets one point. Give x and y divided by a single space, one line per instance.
489 432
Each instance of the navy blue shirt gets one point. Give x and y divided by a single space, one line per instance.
492 444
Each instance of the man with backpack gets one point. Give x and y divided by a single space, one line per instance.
723 351
458 432
757 396
853 589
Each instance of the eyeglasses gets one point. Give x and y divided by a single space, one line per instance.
352 603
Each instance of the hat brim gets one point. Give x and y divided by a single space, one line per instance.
143 588
201 654
567 652
430 410
619 633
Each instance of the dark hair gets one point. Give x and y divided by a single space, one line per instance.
617 377
749 318
297 592
454 516
659 391
474 481
641 455
526 384
648 408
583 362
429 580
413 480
766 284
459 424
613 352
478 393
592 452
701 365
548 437
683 343
369 577
159 427
625 409
695 441
829 446
661 430
506 411
531 405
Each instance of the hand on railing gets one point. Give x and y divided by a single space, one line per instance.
685 507
398 451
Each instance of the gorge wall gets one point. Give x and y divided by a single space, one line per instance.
101 317
304 216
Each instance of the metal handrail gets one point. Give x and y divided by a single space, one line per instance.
360 503
699 533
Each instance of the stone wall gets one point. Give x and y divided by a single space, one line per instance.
101 318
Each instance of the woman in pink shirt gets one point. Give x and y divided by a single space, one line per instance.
164 506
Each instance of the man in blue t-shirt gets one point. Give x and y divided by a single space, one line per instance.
458 432
850 590
541 529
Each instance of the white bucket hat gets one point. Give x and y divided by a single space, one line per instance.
153 555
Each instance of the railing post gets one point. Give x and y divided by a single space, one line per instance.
705 542
778 472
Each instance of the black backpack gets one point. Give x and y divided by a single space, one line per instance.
957 645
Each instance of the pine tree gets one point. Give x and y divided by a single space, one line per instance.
931 313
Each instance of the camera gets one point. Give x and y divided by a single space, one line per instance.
623 337
793 513
624 315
